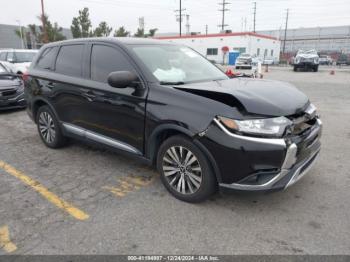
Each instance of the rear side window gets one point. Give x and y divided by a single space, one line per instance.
106 59
69 60
10 57
47 58
3 56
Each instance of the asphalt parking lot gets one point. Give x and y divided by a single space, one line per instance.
85 200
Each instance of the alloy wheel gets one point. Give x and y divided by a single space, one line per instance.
47 127
182 170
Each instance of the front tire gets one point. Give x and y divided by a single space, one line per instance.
316 68
49 129
185 171
295 68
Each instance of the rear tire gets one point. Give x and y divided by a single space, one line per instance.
49 129
185 170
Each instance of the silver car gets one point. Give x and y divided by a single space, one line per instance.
244 61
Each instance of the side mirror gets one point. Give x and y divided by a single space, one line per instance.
122 79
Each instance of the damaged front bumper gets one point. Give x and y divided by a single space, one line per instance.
13 102
262 164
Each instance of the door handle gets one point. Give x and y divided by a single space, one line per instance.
89 95
50 85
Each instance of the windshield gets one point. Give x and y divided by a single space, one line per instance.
311 52
22 57
245 55
177 64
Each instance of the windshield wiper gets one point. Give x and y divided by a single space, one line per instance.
172 83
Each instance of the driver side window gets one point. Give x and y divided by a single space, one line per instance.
107 59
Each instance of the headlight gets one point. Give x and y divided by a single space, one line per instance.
316 60
273 127
297 60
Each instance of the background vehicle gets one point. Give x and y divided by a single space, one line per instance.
244 61
306 60
145 97
19 59
343 60
325 60
11 89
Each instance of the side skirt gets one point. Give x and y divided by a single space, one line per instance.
89 135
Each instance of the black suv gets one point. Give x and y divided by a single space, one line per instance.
170 106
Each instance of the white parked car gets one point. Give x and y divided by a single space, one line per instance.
18 60
325 60
306 60
244 61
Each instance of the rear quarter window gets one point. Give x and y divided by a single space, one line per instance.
47 58
3 56
69 60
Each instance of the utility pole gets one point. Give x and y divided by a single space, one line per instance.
206 29
142 23
285 33
254 17
188 24
21 33
179 17
223 10
43 22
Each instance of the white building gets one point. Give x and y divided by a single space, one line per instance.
211 45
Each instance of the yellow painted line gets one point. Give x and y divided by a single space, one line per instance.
114 190
127 186
54 199
138 181
5 241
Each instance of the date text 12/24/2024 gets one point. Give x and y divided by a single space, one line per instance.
173 258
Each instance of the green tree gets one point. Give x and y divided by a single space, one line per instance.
75 28
102 30
81 25
140 32
121 32
152 32
34 36
54 32
34 33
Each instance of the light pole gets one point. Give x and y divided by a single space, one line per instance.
20 31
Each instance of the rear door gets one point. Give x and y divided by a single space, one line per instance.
115 116
64 86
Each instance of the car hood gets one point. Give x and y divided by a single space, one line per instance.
253 96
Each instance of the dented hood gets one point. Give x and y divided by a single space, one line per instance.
254 96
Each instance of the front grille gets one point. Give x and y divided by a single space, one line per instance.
8 92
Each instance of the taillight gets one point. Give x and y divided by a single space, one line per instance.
25 76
